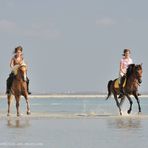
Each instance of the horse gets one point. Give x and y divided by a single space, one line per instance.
133 79
18 89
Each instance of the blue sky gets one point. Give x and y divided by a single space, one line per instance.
73 45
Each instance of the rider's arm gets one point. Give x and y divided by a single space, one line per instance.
12 63
121 68
131 61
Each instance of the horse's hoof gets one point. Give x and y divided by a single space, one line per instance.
18 115
120 114
129 111
139 113
8 114
28 113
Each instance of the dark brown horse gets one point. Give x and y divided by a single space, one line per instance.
18 89
133 80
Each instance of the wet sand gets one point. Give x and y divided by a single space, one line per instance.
84 132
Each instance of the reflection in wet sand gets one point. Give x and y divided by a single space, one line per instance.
124 123
18 122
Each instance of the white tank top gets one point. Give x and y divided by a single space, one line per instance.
124 63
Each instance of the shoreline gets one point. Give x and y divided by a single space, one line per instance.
39 96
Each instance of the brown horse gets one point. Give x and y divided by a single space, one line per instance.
133 80
18 89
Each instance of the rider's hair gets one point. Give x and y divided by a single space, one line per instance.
126 50
17 49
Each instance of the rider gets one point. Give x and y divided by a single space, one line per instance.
15 62
124 62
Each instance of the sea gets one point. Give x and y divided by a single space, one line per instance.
74 121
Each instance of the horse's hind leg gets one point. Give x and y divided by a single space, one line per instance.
28 105
9 98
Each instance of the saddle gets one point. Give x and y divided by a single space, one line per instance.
117 85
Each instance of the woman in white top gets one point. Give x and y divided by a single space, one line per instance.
16 61
124 63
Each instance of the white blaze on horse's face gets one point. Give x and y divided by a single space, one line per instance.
23 69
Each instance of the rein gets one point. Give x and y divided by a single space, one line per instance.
138 83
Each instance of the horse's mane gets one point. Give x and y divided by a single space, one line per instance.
130 69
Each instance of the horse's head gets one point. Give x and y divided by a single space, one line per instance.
23 72
135 70
138 72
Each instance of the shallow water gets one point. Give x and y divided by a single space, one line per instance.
75 106
74 123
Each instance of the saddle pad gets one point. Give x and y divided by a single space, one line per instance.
116 84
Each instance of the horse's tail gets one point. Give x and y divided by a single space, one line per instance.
109 89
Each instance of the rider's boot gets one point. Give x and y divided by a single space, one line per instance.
121 87
9 83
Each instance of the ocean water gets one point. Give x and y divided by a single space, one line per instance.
74 123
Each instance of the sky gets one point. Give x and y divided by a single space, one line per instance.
73 45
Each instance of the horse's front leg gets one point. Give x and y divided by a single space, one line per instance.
138 101
117 103
131 103
18 105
